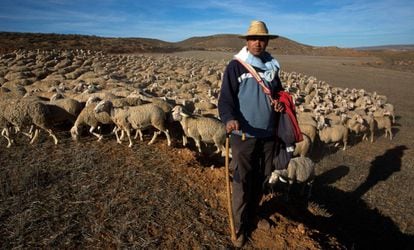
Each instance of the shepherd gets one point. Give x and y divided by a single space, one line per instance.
251 104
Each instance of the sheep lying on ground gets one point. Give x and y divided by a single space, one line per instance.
206 129
136 117
299 169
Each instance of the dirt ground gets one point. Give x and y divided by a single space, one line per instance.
105 195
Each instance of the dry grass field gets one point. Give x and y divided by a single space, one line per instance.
90 194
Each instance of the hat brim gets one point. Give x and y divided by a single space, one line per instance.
264 35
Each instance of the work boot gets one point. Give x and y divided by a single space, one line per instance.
240 240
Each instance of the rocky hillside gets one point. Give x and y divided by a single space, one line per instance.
10 41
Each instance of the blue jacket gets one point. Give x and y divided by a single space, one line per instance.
242 99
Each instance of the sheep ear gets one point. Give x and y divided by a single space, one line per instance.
184 114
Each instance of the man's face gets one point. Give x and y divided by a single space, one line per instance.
257 44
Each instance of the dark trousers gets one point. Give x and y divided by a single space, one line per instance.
250 158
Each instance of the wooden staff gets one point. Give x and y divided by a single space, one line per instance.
229 203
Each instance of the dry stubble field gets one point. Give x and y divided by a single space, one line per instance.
89 194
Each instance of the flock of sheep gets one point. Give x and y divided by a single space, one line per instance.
85 90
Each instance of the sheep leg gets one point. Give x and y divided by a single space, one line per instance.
115 131
47 130
156 133
364 137
28 134
53 136
136 134
388 131
128 133
167 134
122 135
198 144
95 134
185 140
141 136
74 133
5 134
218 146
36 133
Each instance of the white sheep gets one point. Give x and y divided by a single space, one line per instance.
27 113
302 147
199 128
334 133
309 130
390 110
384 122
135 117
357 124
161 102
90 118
72 106
299 170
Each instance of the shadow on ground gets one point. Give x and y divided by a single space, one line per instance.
352 221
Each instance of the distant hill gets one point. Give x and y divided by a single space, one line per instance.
10 41
402 47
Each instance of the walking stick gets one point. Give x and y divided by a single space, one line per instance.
229 203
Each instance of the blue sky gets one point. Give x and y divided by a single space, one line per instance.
343 23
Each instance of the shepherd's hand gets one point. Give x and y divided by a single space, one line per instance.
232 125
278 106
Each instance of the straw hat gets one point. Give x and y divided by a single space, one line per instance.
258 28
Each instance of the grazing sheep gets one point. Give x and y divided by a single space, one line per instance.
88 117
206 129
299 170
27 113
136 117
